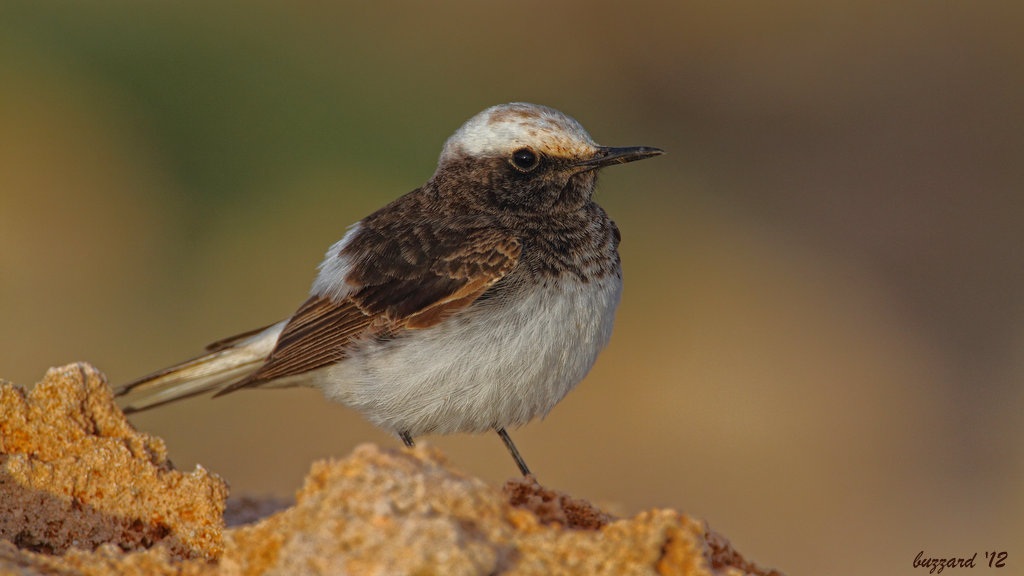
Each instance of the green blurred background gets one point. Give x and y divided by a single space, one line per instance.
819 348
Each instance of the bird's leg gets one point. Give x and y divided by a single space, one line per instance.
407 439
512 450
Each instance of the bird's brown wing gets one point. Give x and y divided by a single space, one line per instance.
389 295
421 284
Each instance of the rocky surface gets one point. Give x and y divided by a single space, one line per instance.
82 492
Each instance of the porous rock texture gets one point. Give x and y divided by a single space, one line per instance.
82 492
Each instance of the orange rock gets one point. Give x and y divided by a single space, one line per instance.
81 491
75 474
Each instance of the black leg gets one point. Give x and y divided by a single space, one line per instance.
512 450
407 439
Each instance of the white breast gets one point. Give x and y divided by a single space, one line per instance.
499 364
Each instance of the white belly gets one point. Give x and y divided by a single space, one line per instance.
495 365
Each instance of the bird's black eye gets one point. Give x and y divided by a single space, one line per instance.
525 159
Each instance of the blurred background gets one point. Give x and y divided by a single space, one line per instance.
819 348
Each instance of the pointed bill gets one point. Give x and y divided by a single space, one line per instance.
606 156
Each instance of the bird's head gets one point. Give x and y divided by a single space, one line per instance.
526 157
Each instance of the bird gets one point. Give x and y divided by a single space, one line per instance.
473 303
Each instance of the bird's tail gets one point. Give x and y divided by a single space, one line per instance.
226 362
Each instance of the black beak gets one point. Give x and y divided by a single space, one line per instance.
606 156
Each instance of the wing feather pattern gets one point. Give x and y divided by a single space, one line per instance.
389 296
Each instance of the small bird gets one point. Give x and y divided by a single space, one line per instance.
473 303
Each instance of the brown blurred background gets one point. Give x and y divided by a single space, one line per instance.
819 348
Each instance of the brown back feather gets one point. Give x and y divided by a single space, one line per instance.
397 298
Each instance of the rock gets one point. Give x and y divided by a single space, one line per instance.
75 474
82 492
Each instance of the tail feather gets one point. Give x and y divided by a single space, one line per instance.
208 373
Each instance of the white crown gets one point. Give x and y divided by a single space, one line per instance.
501 129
